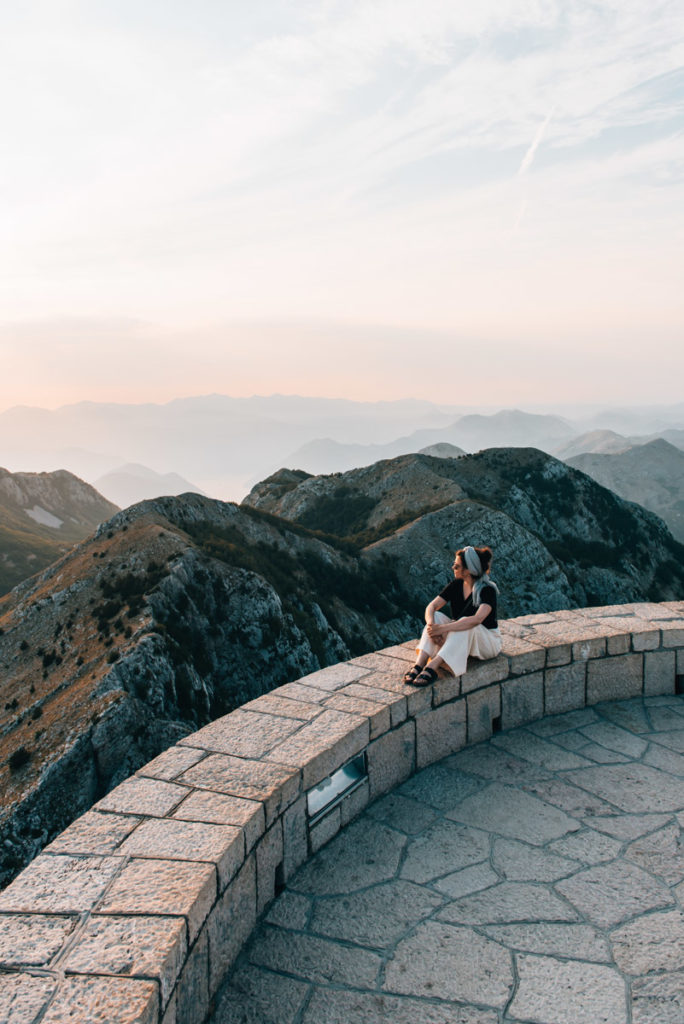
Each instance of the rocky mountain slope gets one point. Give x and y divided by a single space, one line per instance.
560 539
651 474
179 609
173 613
41 516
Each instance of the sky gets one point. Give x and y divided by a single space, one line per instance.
473 203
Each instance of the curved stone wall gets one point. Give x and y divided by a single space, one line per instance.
136 912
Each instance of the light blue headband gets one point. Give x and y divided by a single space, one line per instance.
474 567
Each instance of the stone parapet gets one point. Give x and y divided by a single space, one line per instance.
135 913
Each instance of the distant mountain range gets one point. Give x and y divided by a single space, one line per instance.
468 433
41 516
224 445
179 609
132 483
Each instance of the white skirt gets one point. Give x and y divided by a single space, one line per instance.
478 642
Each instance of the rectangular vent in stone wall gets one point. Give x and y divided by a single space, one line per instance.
327 794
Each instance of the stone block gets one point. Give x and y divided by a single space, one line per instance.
589 647
645 637
672 634
230 924
31 940
659 672
269 854
273 785
23 996
273 704
417 698
396 702
295 837
147 947
203 805
614 678
522 700
440 732
483 707
171 763
378 715
336 676
322 746
558 654
104 1001
391 759
564 688
60 884
300 692
243 734
353 804
482 673
172 839
138 795
324 830
445 688
523 656
379 662
620 643
94 833
192 994
402 652
169 887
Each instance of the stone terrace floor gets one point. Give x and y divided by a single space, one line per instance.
537 877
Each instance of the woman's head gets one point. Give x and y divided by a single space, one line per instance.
471 561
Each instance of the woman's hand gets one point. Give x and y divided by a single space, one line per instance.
436 632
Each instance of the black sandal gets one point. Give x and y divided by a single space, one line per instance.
412 673
426 677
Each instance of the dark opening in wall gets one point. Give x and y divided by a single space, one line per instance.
279 879
679 684
496 724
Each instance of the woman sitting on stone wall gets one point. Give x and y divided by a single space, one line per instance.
471 630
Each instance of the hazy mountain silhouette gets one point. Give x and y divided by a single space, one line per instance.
650 474
132 483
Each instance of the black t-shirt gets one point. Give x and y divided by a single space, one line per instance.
460 605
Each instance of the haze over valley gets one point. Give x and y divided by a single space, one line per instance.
222 446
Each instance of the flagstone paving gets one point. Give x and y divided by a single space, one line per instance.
536 878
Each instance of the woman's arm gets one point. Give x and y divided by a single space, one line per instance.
467 622
434 606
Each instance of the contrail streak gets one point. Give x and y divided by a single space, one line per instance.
526 162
